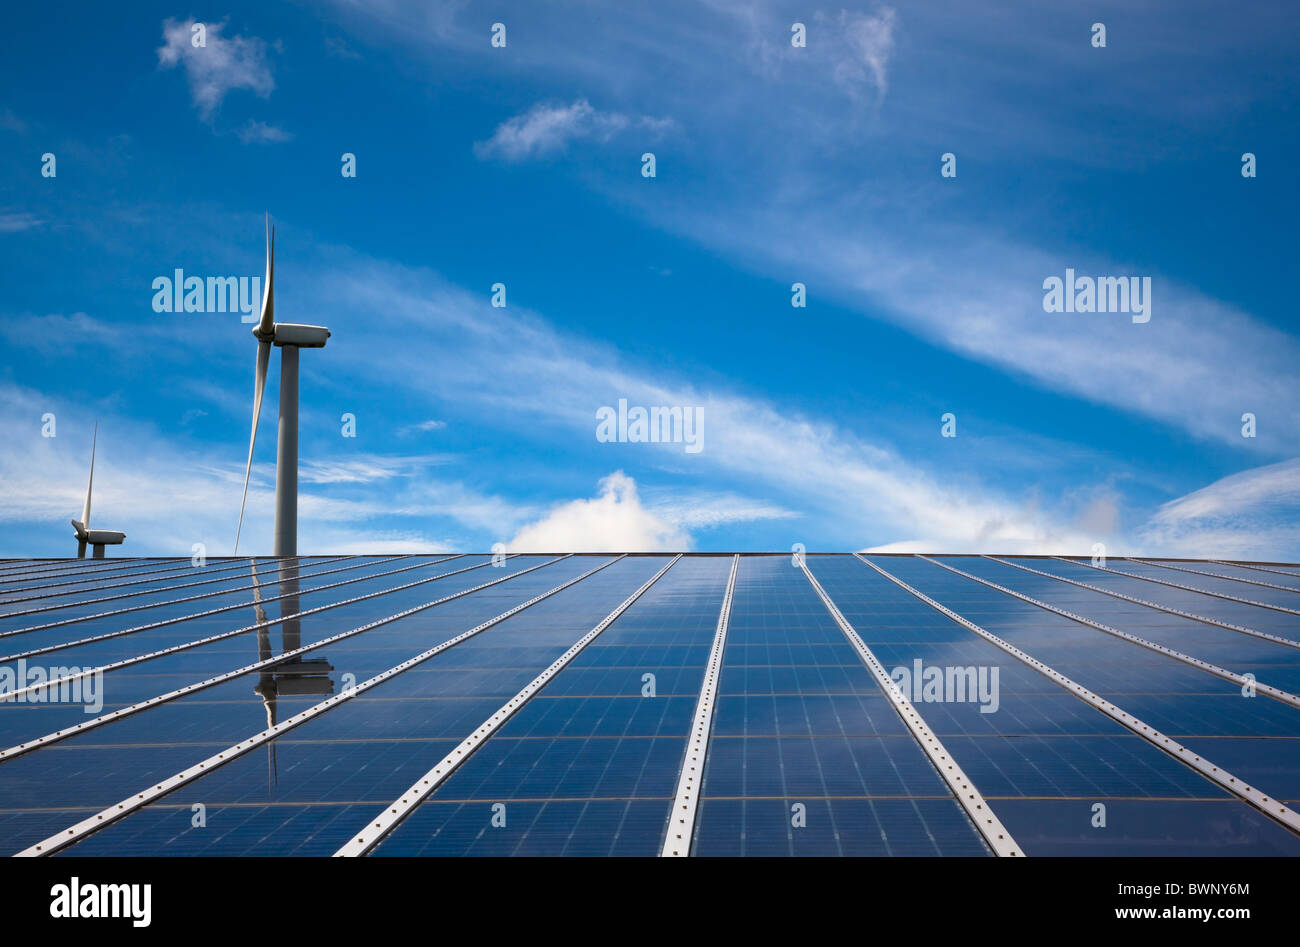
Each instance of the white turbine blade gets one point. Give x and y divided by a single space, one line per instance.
267 323
85 510
259 388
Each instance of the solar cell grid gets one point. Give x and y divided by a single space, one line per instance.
810 756
346 766
805 753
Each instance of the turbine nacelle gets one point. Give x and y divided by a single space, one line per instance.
98 537
295 333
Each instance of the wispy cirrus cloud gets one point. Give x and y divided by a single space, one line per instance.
865 43
547 128
260 133
219 66
548 380
423 427
366 469
18 221
56 332
1252 514
12 123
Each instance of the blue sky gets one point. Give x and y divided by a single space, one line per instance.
774 165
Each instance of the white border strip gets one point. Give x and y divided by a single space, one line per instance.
256 666
1175 585
1219 776
376 831
271 578
1214 575
963 790
1233 676
128 805
1267 636
681 821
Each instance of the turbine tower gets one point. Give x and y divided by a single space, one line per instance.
289 337
98 538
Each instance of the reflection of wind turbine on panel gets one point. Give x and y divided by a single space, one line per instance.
292 678
97 538
289 337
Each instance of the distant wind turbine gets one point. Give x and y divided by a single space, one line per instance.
290 337
98 538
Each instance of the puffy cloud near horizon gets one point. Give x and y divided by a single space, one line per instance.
613 521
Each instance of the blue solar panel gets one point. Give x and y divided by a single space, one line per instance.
805 754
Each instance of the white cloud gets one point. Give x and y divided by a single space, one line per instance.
56 332
223 64
613 521
1254 514
547 128
346 504
546 380
11 122
865 43
710 510
369 542
15 222
260 133
424 426
886 246
981 296
364 469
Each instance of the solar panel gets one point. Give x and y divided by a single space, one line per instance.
595 704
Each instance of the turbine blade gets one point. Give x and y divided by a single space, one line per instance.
85 510
267 324
259 388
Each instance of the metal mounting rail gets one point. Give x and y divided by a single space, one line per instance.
1238 679
113 813
11 565
269 578
1266 636
207 639
113 580
378 829
137 628
1215 575
114 586
1242 565
1185 588
102 719
194 598
111 576
681 821
99 569
1271 807
46 649
968 797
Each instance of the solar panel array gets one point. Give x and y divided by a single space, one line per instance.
645 705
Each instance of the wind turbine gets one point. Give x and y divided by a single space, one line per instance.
289 337
98 538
